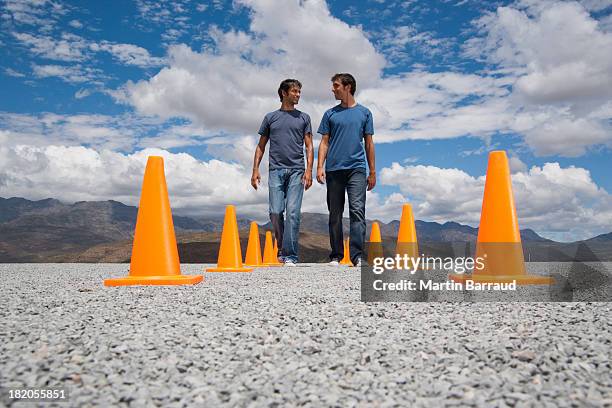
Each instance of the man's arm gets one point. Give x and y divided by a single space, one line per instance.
321 158
307 178
369 149
259 152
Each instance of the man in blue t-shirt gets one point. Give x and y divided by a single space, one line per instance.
346 129
288 130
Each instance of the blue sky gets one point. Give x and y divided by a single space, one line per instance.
91 88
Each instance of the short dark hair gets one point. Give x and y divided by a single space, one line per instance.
286 85
346 79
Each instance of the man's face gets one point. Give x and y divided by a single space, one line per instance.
293 95
340 91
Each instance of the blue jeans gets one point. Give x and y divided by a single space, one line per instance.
354 182
286 191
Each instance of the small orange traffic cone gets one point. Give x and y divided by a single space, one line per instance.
375 249
498 246
406 237
269 257
347 255
230 255
155 259
253 252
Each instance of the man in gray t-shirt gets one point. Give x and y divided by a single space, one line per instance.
288 131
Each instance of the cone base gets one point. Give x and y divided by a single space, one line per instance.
266 265
520 279
155 280
253 265
229 269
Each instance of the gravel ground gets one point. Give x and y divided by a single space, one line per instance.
291 336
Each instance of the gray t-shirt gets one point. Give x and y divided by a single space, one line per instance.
286 130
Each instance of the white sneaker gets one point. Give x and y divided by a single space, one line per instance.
358 264
334 263
289 263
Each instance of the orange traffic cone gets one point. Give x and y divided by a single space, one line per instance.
253 252
498 246
230 255
375 249
269 257
347 255
406 237
155 259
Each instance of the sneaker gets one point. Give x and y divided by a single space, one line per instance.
289 262
358 264
334 262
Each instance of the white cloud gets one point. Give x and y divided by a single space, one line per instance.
128 54
524 95
82 93
596 5
422 105
172 16
289 39
13 73
74 173
560 203
563 63
78 173
75 24
124 132
437 194
69 48
563 132
399 42
382 208
516 164
98 131
70 74
43 14
245 67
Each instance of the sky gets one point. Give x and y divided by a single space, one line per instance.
91 89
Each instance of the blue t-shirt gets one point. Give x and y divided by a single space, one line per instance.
346 128
286 130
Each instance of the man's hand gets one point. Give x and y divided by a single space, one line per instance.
255 178
371 180
307 179
321 175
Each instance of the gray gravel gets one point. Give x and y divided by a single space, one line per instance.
291 336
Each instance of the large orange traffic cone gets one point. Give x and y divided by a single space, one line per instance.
155 259
498 246
253 252
406 237
375 248
269 257
346 260
230 255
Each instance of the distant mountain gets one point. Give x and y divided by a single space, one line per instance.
601 238
51 231
40 230
12 208
426 231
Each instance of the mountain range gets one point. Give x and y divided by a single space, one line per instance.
51 231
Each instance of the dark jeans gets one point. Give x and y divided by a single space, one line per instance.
353 181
